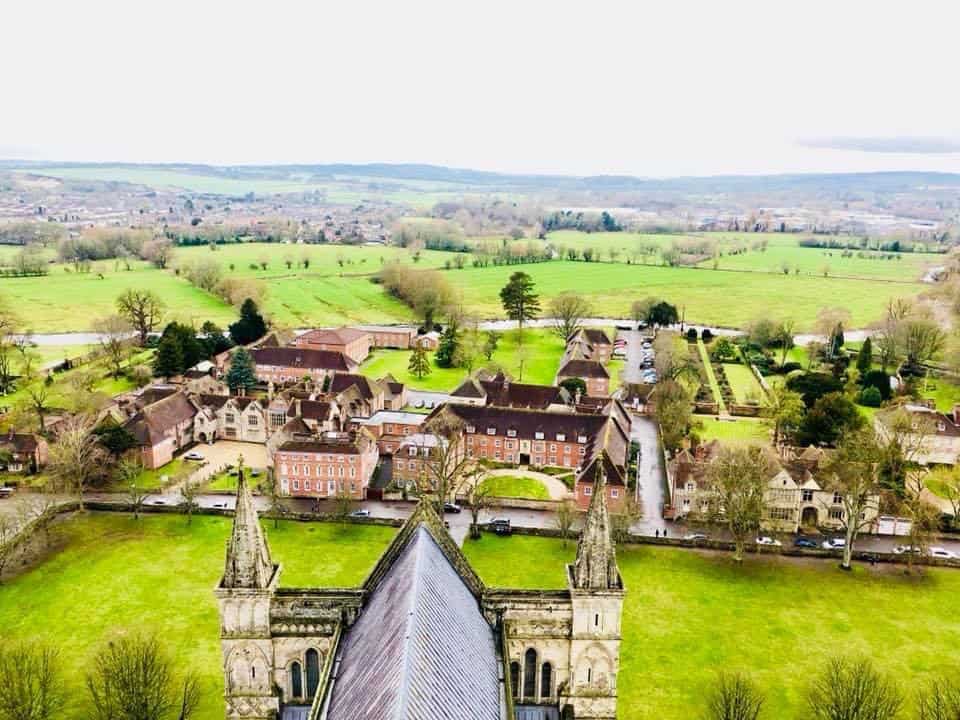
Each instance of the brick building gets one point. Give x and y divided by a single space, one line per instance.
502 392
391 428
352 342
391 336
411 458
592 372
27 452
288 364
326 466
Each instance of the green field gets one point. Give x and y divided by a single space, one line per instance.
743 383
223 481
542 347
513 486
113 575
780 620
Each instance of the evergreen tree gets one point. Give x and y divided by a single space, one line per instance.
490 344
169 359
192 350
447 347
251 325
242 375
519 300
865 358
419 362
214 339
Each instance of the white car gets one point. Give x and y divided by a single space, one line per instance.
903 549
942 553
363 512
767 540
193 455
834 544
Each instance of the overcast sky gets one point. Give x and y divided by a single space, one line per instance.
642 88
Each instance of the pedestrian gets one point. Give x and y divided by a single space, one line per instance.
658 532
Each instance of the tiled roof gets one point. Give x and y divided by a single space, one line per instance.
526 423
150 425
19 442
421 649
322 445
302 358
596 336
469 388
331 336
312 409
510 394
583 369
343 381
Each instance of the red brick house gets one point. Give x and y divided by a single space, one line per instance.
326 466
392 428
27 452
589 344
502 392
163 428
592 372
390 336
287 364
410 461
353 343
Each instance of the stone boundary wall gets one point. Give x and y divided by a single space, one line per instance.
29 542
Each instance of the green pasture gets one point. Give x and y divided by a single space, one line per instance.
111 575
781 619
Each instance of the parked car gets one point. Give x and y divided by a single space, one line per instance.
5 492
802 542
193 455
362 512
904 549
834 544
694 537
158 501
220 505
418 404
449 507
769 541
942 553
501 526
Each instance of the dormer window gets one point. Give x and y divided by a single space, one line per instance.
561 437
511 433
471 429
538 435
941 426
491 431
581 439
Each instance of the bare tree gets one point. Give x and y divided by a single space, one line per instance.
733 697
189 491
447 462
133 679
950 491
564 519
128 473
276 508
939 700
76 457
143 309
568 310
477 494
924 517
343 503
623 517
853 690
31 684
851 475
114 339
738 480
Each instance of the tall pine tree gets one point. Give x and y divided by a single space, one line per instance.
251 325
519 300
242 375
447 347
865 357
419 362
169 359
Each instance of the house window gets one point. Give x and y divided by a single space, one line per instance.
553 447
538 436
614 493
496 443
807 496
497 454
296 484
252 420
491 431
566 449
690 487
583 450
588 490
511 433
331 487
836 514
837 498
561 437
509 457
471 429
581 439
229 417
306 485
779 513
389 429
412 465
412 451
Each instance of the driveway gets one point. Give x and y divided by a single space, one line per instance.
226 452
650 475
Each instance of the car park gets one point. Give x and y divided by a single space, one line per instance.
768 541
803 542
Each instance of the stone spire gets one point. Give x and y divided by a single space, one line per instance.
248 557
596 565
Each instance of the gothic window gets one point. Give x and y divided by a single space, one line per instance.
515 679
296 680
546 681
313 671
530 674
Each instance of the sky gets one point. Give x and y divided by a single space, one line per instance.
651 89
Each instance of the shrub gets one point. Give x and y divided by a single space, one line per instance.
870 396
691 334
790 367
877 379
706 335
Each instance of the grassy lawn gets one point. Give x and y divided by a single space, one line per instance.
711 378
743 383
540 353
740 430
113 576
157 478
943 392
511 486
780 619
225 481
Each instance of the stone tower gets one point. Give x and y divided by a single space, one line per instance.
596 593
244 595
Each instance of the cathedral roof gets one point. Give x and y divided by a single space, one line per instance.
421 649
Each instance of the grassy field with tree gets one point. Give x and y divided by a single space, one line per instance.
112 575
782 620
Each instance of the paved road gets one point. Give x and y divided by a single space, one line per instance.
650 476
